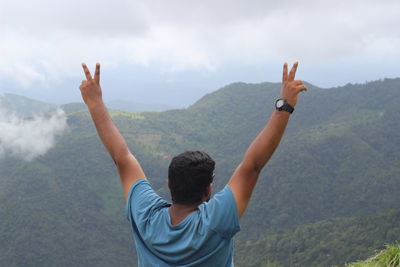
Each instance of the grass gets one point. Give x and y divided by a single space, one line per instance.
389 257
119 113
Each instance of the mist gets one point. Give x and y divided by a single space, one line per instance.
29 138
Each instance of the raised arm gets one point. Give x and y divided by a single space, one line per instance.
128 167
263 146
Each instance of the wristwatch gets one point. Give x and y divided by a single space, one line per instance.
282 104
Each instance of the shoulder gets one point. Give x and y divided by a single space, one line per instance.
142 200
141 184
223 198
221 212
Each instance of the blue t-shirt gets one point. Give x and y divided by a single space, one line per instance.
203 238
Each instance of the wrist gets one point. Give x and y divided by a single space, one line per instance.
95 104
283 105
282 114
291 102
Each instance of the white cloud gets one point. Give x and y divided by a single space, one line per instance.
29 138
44 41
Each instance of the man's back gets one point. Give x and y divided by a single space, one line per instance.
203 238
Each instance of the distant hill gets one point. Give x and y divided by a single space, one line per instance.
135 107
117 105
26 107
339 158
23 106
73 107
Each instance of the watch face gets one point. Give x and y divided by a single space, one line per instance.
280 103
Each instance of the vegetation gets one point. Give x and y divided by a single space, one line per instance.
324 243
23 106
389 257
331 188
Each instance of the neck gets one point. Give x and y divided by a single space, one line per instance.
178 212
184 207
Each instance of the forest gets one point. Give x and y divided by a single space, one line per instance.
329 196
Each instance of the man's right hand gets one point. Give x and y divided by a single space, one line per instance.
263 146
291 87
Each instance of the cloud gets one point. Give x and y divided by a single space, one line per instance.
90 17
28 138
44 41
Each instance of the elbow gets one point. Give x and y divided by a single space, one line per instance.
121 157
251 168
257 169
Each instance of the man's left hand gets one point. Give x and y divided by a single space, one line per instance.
90 88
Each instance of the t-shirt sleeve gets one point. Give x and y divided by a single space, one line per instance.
142 202
222 213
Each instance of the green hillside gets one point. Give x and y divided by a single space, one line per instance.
324 243
388 257
339 158
23 106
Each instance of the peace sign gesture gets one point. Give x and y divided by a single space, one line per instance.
291 87
90 88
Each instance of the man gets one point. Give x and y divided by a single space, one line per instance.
195 230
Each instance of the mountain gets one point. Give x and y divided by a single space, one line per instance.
324 243
135 107
117 105
23 106
339 160
26 107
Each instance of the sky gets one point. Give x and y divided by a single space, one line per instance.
173 52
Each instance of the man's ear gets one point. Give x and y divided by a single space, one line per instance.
209 190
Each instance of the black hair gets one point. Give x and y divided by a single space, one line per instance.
189 175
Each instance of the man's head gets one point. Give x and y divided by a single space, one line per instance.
189 177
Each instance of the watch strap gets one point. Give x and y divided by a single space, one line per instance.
285 107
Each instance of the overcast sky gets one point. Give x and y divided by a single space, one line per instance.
173 52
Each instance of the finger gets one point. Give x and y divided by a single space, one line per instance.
87 72
301 88
292 73
285 74
298 82
97 73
